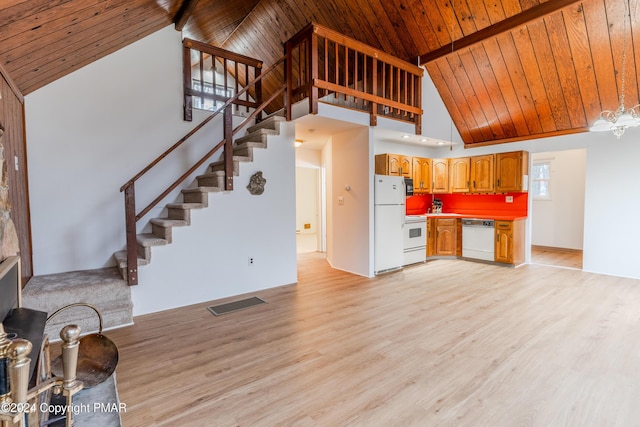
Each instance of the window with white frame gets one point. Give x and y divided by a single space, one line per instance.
541 179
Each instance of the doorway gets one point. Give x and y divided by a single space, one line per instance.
308 210
557 208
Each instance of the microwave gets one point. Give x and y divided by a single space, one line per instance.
408 185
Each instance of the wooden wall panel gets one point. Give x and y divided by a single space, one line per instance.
553 72
12 120
43 41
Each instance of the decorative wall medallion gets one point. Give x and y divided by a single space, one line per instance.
256 184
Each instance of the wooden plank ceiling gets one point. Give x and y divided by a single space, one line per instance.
550 74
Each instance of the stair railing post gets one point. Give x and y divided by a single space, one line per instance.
228 148
130 224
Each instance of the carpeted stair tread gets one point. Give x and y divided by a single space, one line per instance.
269 123
185 206
148 240
251 144
257 136
166 222
121 259
201 189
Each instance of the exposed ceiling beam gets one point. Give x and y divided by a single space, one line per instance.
184 13
515 21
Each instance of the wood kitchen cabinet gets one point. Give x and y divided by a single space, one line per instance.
482 174
393 164
509 244
459 173
439 175
512 172
431 237
446 236
421 169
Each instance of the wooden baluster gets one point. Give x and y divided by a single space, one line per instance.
373 118
246 80
214 83
417 103
326 63
201 69
312 64
186 83
288 71
225 79
228 148
257 71
337 68
130 227
237 82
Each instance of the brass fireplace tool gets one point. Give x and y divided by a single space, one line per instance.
16 399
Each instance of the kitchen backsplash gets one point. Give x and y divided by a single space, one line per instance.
471 203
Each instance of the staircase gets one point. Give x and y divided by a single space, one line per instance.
179 214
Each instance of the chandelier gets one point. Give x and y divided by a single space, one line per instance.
622 118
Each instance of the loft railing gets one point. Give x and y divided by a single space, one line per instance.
213 75
325 66
132 216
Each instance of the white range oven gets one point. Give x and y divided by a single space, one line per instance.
415 239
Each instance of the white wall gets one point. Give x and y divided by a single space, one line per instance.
350 233
612 233
559 221
209 259
90 131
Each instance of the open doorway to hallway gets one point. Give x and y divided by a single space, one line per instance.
557 208
308 210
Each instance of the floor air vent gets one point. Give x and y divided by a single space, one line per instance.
229 307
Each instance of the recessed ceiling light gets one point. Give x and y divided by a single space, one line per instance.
440 142
424 140
405 136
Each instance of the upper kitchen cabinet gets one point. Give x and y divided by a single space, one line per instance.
421 169
512 170
393 164
459 171
482 174
440 175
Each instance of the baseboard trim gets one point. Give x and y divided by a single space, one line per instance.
555 249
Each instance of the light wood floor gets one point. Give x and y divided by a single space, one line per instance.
556 256
446 343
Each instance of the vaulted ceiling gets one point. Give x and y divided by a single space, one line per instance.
506 69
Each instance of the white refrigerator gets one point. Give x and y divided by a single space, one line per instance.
389 215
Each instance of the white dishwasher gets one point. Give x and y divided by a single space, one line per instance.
478 237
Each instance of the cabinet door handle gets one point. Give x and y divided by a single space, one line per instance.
474 183
498 183
497 238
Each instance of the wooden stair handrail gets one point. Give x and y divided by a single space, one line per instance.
210 153
198 127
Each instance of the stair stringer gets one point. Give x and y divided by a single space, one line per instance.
193 198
